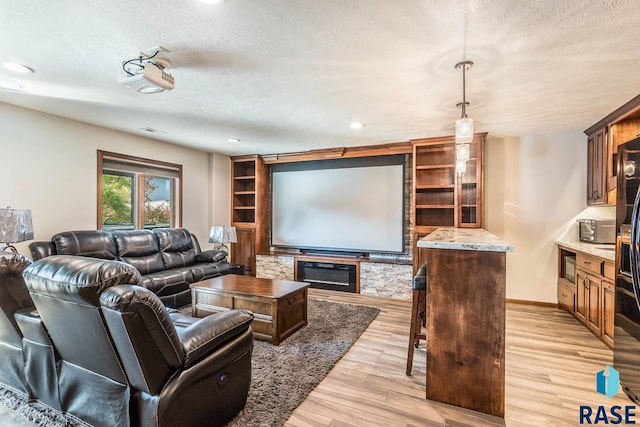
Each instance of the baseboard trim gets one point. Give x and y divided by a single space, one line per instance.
536 303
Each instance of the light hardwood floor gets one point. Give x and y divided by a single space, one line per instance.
551 361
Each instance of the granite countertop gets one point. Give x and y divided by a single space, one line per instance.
468 239
607 252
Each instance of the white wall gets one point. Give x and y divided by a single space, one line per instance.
535 188
49 166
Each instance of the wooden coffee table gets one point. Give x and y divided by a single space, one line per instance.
279 306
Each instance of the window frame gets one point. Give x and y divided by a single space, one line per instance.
139 161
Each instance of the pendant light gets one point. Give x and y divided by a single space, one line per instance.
464 125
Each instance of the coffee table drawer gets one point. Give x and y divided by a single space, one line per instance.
259 306
214 299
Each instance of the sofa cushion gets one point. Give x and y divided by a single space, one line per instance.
140 249
211 256
168 282
176 247
207 270
88 243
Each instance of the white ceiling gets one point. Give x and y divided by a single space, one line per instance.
290 75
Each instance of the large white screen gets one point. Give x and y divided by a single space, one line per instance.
352 209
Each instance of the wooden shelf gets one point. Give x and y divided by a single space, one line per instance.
433 186
437 166
441 197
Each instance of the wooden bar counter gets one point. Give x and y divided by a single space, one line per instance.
466 318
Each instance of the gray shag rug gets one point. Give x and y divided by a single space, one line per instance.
282 376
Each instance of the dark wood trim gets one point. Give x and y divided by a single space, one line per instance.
99 189
619 114
443 139
339 153
135 159
533 303
140 212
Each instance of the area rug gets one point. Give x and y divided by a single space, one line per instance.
282 376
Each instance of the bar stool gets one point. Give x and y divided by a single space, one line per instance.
418 313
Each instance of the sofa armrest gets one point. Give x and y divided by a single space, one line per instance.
41 250
208 333
31 326
212 255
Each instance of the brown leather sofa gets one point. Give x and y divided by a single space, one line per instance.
169 259
126 360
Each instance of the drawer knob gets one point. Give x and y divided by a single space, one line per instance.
292 300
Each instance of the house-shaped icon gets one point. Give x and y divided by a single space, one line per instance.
608 381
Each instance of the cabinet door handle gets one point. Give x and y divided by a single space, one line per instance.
587 262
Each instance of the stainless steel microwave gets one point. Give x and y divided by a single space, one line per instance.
597 230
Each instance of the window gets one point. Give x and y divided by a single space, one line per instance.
137 193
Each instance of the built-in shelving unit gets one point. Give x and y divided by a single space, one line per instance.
248 214
442 197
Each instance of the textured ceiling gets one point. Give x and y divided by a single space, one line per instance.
290 75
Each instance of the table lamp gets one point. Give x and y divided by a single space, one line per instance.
15 226
223 234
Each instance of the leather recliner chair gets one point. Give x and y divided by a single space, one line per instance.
29 361
14 297
126 360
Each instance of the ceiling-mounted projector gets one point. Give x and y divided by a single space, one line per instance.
146 73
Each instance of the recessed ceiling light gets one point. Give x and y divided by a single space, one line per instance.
17 68
213 1
233 140
356 125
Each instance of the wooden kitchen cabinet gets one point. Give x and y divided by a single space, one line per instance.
608 311
603 140
582 295
594 290
593 285
596 168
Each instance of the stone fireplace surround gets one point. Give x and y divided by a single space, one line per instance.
377 277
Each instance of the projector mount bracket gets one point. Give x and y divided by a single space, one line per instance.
155 55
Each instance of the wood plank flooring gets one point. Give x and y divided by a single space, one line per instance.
551 361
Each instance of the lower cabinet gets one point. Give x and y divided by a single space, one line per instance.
243 251
594 291
608 311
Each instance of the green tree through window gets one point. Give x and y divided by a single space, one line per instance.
137 193
117 200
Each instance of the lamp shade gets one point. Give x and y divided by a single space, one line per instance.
222 234
15 225
464 130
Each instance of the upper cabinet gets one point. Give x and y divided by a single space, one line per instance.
597 181
603 140
442 197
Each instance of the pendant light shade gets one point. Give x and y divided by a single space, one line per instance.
462 152
464 125
464 130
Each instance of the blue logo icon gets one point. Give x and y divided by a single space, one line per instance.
608 382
